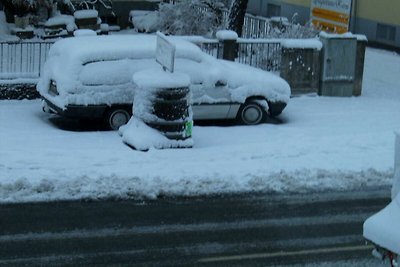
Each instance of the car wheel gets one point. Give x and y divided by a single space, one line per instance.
116 117
251 113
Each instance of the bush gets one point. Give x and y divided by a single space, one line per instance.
189 17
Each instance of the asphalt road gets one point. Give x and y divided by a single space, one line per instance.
236 230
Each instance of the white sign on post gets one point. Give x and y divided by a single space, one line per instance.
165 52
331 15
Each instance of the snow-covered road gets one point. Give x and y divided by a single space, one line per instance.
324 143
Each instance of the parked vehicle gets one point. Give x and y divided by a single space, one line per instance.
383 228
90 77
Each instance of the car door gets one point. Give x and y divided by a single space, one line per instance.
211 101
211 97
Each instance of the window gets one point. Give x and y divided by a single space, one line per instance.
273 10
386 32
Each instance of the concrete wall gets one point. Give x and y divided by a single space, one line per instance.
369 28
384 11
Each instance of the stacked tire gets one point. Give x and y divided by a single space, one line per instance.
171 113
162 102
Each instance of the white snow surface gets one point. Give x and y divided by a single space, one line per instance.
85 14
142 137
324 143
312 43
359 37
226 35
156 78
60 20
84 32
383 227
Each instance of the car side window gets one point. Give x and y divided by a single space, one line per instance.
113 71
195 70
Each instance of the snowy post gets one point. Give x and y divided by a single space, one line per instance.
229 44
360 58
104 29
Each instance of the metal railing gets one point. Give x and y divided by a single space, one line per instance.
253 26
210 46
260 53
26 59
22 59
263 54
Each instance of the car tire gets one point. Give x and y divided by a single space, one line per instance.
115 118
251 113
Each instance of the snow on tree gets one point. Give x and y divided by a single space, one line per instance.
191 17
22 8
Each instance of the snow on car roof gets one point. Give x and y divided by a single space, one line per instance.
99 48
69 56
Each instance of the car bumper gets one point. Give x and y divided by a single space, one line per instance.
276 108
93 112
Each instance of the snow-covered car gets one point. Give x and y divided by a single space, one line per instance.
383 228
91 78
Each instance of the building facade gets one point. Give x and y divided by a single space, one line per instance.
378 20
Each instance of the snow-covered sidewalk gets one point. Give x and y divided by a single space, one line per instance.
324 143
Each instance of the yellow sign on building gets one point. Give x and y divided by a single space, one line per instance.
331 15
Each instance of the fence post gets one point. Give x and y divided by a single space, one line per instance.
228 39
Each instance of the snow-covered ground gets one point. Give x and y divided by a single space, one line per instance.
324 143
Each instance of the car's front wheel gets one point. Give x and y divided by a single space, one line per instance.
251 113
116 117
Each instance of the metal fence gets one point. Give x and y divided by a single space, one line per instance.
253 26
22 59
261 54
209 46
26 59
